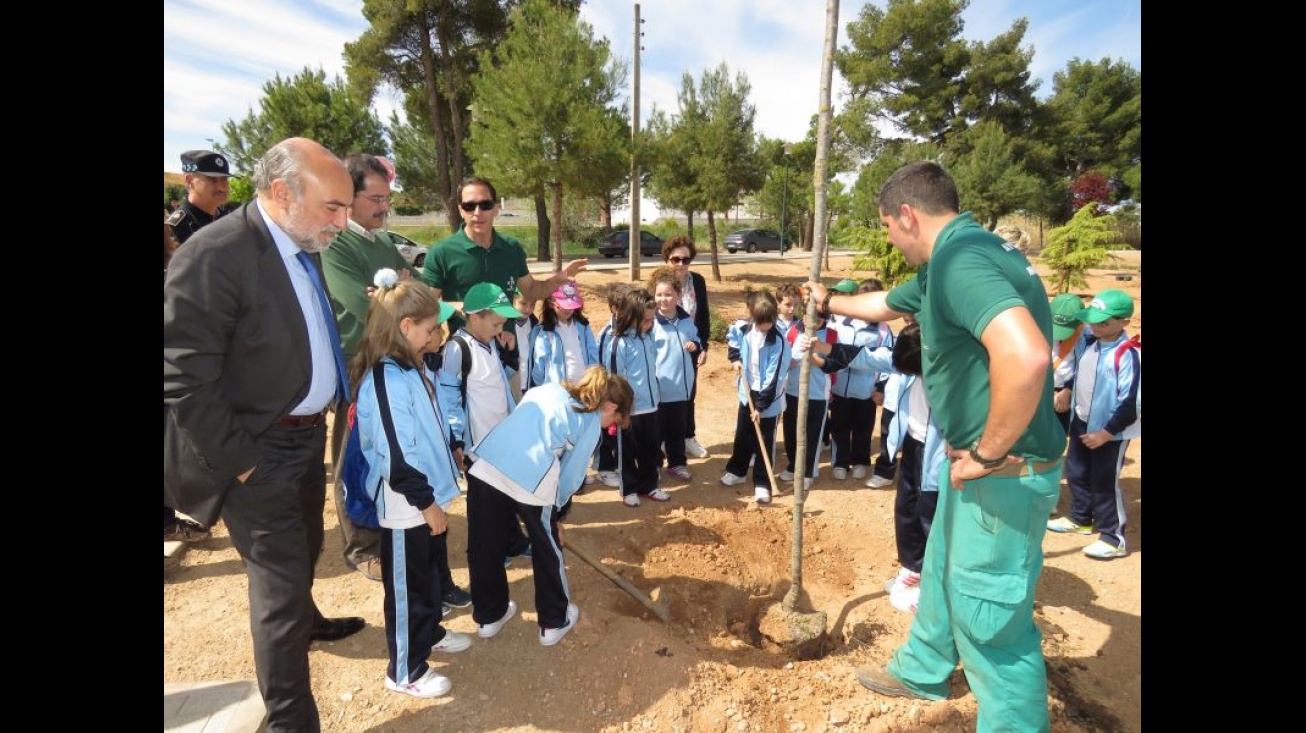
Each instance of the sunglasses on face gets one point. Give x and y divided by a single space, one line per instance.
470 206
680 260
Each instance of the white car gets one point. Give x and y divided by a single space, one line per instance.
412 251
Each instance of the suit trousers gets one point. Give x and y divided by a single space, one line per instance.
275 521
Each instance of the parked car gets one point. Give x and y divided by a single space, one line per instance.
617 244
753 240
412 251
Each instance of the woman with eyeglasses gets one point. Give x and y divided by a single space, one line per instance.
679 251
478 253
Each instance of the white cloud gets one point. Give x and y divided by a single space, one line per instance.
219 53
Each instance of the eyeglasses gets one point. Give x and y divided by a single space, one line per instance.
378 200
470 206
680 260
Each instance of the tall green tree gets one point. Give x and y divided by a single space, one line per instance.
429 51
718 148
1097 110
991 180
668 145
908 65
304 105
543 109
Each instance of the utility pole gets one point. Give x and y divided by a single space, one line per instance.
634 242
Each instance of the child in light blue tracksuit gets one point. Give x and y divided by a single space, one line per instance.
562 346
913 431
607 471
852 409
676 338
761 357
1105 414
818 396
634 357
528 467
402 436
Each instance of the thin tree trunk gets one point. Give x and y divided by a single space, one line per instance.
557 231
430 84
457 127
542 228
711 238
804 386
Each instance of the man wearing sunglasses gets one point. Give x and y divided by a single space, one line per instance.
477 253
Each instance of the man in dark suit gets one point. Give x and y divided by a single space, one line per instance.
250 367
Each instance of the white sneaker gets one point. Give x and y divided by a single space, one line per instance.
487 631
610 478
840 473
549 637
785 475
695 449
761 495
432 684
859 471
657 495
807 483
590 479
878 482
1104 551
903 580
906 599
630 499
729 479
452 642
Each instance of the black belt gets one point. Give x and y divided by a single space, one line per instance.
302 421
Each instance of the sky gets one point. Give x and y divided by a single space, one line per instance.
217 54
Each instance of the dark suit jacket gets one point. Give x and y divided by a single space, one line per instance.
235 358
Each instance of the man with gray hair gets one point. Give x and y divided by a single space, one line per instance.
251 364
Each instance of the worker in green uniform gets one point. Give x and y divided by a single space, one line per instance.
986 330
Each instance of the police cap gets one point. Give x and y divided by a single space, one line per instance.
205 163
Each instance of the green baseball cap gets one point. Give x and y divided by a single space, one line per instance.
446 312
845 286
1108 304
489 296
1065 315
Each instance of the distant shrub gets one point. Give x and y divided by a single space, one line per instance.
719 328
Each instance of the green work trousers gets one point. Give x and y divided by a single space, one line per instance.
982 561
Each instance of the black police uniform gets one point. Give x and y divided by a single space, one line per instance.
188 218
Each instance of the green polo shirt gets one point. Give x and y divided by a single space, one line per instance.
972 276
456 263
350 265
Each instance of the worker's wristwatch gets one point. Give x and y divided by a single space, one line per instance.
986 462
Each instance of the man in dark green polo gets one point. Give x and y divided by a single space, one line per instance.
477 253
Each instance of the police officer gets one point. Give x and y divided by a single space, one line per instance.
207 189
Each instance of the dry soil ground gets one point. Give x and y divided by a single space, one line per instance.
716 560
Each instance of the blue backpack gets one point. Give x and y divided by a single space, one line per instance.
360 499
